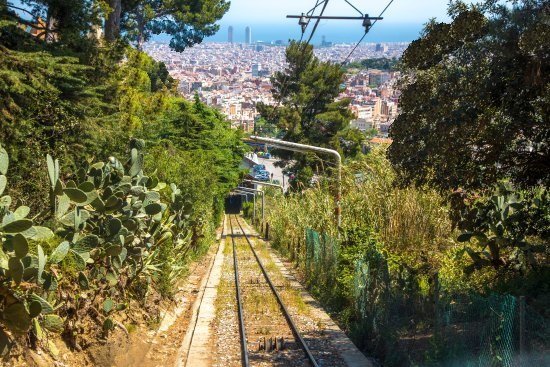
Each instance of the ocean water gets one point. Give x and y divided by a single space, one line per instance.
333 31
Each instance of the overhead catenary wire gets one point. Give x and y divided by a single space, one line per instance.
366 31
284 84
305 23
353 6
312 10
317 22
355 48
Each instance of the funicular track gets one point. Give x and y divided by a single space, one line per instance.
248 357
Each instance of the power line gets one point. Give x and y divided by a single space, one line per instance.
317 22
383 11
353 6
312 10
354 48
368 27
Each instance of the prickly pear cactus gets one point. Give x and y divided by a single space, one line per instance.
22 272
109 219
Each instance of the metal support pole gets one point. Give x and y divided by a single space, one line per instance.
522 344
254 191
302 148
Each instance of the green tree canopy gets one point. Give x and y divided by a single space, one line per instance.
476 101
307 111
186 21
382 63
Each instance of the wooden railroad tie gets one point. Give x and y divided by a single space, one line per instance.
268 344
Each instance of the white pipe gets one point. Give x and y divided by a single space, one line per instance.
302 148
265 184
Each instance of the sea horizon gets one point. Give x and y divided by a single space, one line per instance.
332 32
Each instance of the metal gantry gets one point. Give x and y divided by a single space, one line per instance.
303 148
254 192
367 20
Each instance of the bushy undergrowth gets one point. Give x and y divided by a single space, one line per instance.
81 105
411 223
110 235
402 240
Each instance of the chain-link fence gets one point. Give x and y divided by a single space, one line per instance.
403 326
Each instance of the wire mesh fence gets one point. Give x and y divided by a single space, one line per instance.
403 326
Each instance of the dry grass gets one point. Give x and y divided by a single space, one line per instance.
410 222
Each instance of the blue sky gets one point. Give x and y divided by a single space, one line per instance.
275 11
402 21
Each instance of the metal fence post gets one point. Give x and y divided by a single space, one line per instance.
522 349
437 321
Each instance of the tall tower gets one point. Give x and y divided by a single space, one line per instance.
248 36
230 34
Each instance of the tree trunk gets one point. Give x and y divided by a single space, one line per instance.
141 29
112 23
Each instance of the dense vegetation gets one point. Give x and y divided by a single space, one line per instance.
307 112
85 236
451 220
382 63
468 120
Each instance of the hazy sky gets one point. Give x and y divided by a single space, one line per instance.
275 11
402 21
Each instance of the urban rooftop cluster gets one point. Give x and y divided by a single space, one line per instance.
234 77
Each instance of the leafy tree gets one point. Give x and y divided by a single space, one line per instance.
349 141
382 63
510 230
186 21
44 100
307 111
195 146
67 22
476 99
264 128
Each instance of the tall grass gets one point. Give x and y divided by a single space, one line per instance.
407 228
412 223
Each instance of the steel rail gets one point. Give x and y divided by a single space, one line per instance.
244 343
288 318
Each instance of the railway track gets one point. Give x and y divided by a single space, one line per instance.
288 342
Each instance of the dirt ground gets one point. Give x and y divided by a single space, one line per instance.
146 341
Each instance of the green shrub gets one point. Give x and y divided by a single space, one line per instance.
115 234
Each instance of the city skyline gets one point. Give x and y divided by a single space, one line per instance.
350 33
403 21
234 78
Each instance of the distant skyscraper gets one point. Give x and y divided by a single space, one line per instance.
255 70
248 35
381 47
230 34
